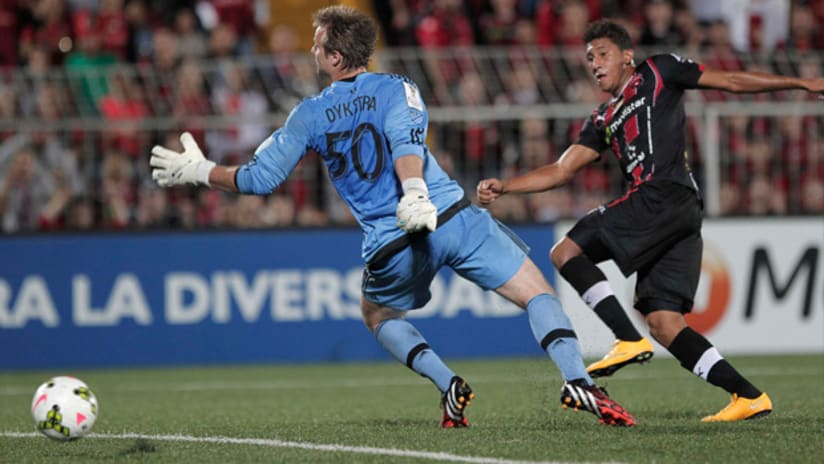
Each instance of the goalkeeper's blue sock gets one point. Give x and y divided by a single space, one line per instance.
403 341
553 331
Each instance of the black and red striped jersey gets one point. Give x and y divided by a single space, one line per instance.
645 125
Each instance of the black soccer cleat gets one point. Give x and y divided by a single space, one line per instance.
454 402
592 398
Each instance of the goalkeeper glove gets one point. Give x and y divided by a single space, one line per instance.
415 211
172 168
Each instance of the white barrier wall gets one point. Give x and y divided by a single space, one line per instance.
761 289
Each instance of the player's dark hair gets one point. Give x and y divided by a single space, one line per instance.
605 29
348 32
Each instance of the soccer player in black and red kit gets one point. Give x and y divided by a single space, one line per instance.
655 228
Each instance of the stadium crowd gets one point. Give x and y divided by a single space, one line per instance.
90 85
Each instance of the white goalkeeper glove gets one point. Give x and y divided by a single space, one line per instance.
172 168
415 211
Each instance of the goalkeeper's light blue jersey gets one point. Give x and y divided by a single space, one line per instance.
359 127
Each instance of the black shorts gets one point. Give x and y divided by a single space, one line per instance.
654 230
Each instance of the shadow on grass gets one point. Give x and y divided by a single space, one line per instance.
140 446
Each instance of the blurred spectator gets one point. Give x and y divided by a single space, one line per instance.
548 16
52 215
236 15
812 196
152 209
445 25
190 99
192 41
125 105
25 188
8 110
535 147
690 30
165 56
185 214
47 24
751 23
160 71
398 18
477 141
660 29
279 77
279 211
211 208
50 154
729 199
499 27
117 195
141 32
113 28
246 213
520 86
39 64
573 20
9 13
804 33
88 65
763 198
234 98
223 42
79 214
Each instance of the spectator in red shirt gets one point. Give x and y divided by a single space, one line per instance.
49 25
445 25
113 27
9 24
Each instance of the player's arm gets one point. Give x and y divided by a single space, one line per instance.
541 179
751 82
274 159
405 128
170 168
408 167
223 178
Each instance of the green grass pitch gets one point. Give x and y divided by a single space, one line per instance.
382 412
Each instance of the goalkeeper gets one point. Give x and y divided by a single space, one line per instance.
370 131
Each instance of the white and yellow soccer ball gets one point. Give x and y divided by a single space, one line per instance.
64 408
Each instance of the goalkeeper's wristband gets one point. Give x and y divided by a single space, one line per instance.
414 183
202 171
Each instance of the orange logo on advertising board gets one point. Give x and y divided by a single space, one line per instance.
715 271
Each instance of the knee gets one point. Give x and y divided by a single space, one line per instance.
558 256
664 326
373 314
562 252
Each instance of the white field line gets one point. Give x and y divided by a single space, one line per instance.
427 455
228 385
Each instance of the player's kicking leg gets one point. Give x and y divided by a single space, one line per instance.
553 330
406 344
591 283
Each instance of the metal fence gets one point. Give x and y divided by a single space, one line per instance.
85 137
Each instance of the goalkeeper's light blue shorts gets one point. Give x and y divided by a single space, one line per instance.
472 243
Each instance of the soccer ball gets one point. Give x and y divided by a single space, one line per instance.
64 408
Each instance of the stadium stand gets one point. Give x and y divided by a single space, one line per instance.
91 85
